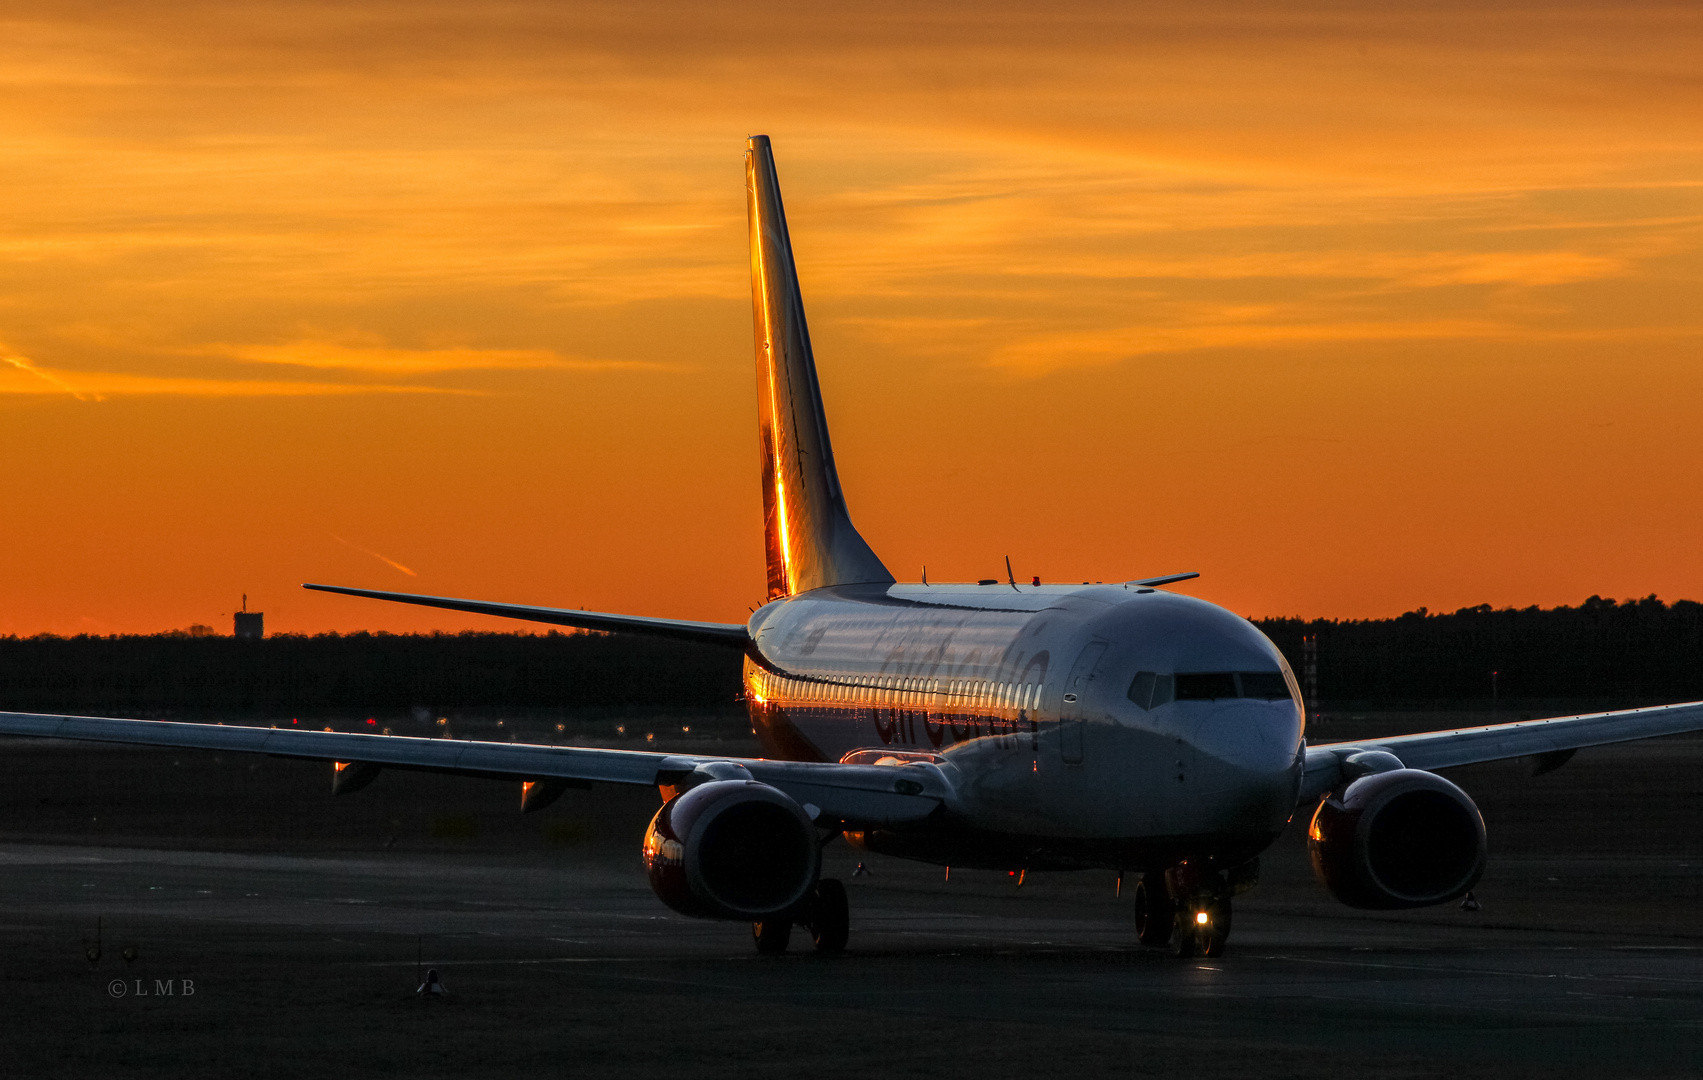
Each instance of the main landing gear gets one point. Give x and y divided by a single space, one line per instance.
1188 908
826 915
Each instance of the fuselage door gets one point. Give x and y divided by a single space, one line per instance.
1071 714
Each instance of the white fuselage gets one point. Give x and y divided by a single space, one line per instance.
1026 696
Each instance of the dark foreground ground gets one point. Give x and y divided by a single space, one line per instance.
299 920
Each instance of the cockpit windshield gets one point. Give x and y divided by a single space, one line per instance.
1151 689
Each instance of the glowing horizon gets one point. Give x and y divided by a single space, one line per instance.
1355 311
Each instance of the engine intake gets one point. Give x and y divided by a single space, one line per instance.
732 849
1399 839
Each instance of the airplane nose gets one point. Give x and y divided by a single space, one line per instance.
1246 764
1251 736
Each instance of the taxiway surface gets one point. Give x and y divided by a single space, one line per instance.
301 922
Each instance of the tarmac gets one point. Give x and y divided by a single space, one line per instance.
274 930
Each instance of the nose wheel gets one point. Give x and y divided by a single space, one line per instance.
1201 930
1185 910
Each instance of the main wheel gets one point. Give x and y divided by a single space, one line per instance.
772 935
830 923
1154 912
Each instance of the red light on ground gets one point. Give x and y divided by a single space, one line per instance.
372 722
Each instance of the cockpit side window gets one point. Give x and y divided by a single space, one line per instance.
1151 690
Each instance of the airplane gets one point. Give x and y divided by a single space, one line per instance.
1019 727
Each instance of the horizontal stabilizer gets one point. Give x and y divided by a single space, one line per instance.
730 634
1164 580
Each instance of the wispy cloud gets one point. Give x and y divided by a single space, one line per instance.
56 383
101 385
392 563
389 360
1039 354
346 209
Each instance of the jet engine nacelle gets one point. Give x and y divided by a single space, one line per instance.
1398 839
732 849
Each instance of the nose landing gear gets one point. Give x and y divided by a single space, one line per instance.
1202 928
1188 908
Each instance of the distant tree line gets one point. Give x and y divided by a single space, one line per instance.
367 672
1633 653
1636 652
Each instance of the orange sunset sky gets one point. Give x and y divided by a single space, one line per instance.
1352 308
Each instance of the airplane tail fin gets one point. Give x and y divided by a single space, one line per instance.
809 538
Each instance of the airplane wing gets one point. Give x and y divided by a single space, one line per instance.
847 795
730 634
1554 739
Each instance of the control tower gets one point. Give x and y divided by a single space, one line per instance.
250 625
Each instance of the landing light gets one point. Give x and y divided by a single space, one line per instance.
1200 917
